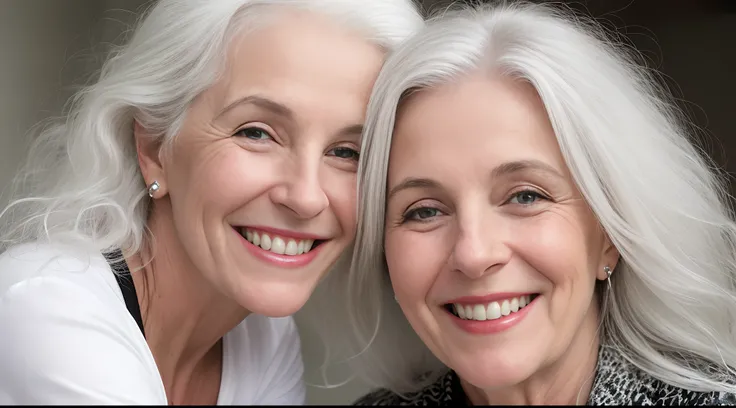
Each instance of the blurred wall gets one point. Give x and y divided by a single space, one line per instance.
36 37
47 49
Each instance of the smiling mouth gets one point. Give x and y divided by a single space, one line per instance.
491 310
278 244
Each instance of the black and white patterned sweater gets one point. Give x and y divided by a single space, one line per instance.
617 382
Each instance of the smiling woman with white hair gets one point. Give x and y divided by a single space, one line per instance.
189 204
533 205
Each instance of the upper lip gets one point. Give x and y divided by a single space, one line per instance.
489 298
284 233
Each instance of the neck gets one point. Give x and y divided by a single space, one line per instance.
185 316
567 381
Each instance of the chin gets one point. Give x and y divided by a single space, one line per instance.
491 379
276 303
278 312
488 372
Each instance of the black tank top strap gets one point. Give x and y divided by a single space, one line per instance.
125 282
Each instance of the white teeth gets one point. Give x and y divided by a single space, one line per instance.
278 245
266 242
479 312
514 304
505 309
291 247
460 311
493 310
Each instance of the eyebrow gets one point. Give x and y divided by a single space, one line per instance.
261 102
410 183
283 110
499 171
523 165
352 131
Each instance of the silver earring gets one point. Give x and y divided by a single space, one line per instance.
608 272
153 188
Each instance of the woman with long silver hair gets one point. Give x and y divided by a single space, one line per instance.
163 234
533 204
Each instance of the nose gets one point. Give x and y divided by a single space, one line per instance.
300 190
480 246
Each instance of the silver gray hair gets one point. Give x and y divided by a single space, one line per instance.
661 201
82 181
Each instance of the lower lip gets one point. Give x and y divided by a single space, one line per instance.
493 326
283 261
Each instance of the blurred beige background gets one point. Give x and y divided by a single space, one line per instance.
47 47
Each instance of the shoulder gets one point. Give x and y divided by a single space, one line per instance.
73 341
444 391
618 382
46 282
266 359
724 398
35 260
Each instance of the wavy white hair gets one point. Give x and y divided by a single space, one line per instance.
82 183
665 207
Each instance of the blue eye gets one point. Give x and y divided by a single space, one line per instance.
421 214
344 153
526 197
254 133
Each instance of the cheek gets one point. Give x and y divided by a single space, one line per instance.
209 186
340 188
221 179
557 246
414 260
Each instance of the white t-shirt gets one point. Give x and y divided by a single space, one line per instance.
66 337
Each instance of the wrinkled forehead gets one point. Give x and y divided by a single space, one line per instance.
316 69
471 125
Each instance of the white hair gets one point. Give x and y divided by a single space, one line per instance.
671 307
82 182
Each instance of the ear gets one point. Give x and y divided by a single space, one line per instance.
609 258
148 159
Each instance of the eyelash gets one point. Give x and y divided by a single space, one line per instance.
530 191
355 155
241 132
408 216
